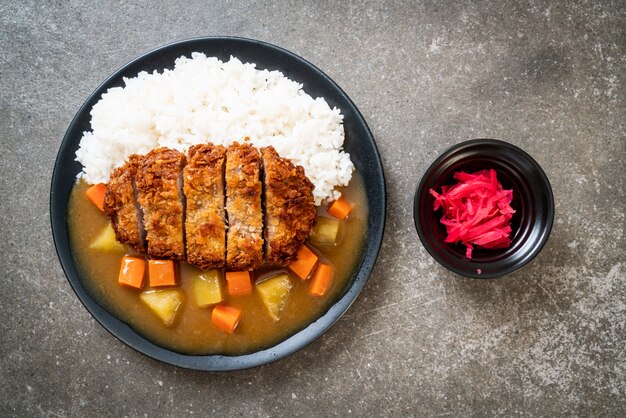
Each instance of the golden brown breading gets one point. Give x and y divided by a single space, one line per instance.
120 205
205 223
289 207
243 206
158 181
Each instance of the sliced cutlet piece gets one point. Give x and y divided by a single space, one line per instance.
243 207
289 207
158 185
121 207
205 222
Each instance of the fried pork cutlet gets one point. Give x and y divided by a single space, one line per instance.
289 207
205 223
158 185
121 207
243 205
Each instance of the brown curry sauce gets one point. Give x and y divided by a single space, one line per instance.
193 331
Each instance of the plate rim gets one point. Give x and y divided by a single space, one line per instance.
295 342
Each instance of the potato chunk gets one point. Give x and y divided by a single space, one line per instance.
274 293
206 288
105 241
164 303
325 232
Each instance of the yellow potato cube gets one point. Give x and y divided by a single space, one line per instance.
164 303
274 293
206 288
105 241
325 232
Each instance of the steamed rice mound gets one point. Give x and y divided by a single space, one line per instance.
206 100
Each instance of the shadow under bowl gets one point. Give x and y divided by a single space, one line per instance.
533 203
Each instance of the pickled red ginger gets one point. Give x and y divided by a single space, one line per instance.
476 211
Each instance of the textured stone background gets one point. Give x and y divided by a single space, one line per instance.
547 340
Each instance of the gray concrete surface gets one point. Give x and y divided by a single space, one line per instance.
419 341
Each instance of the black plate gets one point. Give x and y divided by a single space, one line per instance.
359 143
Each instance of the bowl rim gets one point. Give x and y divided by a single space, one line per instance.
537 246
123 332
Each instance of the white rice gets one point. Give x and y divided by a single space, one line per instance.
206 100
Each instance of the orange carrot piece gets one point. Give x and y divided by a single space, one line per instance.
161 273
226 318
132 271
304 263
239 283
322 280
340 208
96 194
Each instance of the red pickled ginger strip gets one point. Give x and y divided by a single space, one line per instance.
476 210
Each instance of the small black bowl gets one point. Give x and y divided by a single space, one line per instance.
532 200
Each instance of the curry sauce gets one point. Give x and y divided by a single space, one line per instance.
193 332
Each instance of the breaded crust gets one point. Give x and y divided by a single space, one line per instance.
289 207
120 205
205 223
158 183
243 206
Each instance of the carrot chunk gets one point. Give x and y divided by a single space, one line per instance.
340 208
239 283
226 318
132 271
305 262
161 273
322 280
96 194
